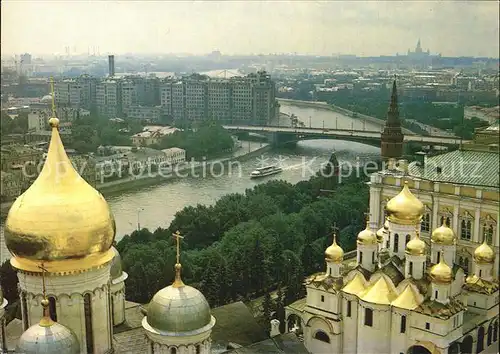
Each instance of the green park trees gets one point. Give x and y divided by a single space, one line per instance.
247 244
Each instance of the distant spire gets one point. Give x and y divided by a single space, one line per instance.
393 113
178 281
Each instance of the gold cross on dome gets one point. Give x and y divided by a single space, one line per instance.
53 96
178 237
334 228
44 290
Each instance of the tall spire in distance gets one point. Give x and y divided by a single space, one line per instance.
392 136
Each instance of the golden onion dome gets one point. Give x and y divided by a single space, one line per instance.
415 247
48 337
60 219
484 254
443 235
367 237
441 273
334 253
405 208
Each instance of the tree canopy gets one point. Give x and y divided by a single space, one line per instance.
248 243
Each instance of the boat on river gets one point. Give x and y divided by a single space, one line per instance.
266 171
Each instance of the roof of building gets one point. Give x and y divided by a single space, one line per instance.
439 310
284 343
326 281
476 168
235 323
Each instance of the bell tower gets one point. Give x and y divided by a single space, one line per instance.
392 137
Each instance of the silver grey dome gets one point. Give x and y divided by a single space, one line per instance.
178 309
116 265
55 338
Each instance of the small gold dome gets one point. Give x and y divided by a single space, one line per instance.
441 273
443 235
405 208
367 237
484 254
415 247
60 219
334 253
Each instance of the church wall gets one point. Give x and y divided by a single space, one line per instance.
350 330
399 341
374 339
118 298
322 299
440 332
314 345
68 290
481 303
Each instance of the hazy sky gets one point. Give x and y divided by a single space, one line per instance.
241 27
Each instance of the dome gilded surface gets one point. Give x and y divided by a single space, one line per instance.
178 309
334 253
48 337
405 208
415 247
443 235
367 237
116 264
441 273
60 219
484 254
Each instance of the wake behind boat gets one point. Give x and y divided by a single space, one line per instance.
265 171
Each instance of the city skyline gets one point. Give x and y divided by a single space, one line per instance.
365 28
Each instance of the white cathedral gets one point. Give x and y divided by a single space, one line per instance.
400 296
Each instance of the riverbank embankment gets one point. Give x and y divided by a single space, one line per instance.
130 183
337 109
189 169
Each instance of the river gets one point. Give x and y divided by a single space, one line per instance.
155 206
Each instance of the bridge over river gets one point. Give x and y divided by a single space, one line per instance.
282 135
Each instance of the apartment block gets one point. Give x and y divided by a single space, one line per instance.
108 98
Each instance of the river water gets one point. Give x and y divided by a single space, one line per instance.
155 206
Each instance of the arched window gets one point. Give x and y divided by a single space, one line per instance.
173 350
438 257
464 263
322 336
152 348
495 331
360 257
466 229
403 324
466 346
446 220
89 334
480 340
410 268
52 308
489 337
25 310
426 222
408 237
368 317
198 349
396 242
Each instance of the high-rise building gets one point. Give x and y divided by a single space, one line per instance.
108 98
